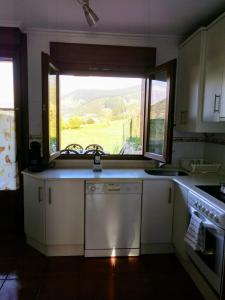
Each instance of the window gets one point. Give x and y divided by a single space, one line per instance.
124 111
102 110
8 165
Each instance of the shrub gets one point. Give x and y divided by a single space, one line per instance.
74 122
90 121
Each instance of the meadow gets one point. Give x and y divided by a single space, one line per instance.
111 135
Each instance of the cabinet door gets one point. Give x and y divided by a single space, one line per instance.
180 219
189 73
34 219
65 212
215 57
157 211
222 106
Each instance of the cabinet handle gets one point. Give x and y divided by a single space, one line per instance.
217 103
170 196
183 117
39 194
49 196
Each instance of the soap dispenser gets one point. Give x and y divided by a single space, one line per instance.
97 166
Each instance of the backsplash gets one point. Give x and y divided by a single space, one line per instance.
210 147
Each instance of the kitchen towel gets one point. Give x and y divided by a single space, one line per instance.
194 236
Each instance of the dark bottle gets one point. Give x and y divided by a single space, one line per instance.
97 166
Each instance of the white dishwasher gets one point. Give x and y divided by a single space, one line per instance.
113 219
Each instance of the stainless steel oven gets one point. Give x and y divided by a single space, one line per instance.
209 261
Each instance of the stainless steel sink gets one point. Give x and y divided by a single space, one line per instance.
164 172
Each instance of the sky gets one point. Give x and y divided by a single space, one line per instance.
70 83
6 85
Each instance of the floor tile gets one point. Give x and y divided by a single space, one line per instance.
27 274
28 268
58 289
61 266
19 290
6 267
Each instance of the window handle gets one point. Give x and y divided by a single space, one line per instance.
183 117
217 103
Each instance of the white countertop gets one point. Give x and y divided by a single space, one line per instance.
88 174
188 182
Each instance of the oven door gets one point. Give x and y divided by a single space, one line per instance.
210 261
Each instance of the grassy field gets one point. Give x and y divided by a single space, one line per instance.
109 136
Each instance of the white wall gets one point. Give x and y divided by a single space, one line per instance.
38 40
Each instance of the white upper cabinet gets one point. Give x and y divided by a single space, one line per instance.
189 82
214 68
199 99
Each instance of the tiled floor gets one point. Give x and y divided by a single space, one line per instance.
26 274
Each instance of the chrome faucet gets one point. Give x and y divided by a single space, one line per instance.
161 164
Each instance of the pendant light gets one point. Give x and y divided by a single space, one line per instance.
91 17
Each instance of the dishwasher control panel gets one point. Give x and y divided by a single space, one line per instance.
114 188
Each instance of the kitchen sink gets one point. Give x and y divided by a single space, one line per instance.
164 172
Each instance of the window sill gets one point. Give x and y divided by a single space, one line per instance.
103 157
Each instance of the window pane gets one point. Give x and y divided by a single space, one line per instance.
52 114
8 165
6 83
157 114
102 110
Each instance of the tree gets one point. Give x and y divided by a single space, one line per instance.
74 122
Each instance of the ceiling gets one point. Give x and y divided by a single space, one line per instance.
164 17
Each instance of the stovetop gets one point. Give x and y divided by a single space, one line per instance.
213 190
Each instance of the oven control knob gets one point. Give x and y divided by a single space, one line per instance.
211 215
200 206
196 203
203 209
215 218
206 211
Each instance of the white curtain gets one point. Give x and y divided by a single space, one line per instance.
9 179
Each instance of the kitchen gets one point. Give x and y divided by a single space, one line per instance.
189 141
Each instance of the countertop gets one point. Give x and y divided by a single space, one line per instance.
188 182
88 174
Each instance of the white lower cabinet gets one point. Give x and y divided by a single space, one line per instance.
157 215
34 209
54 215
180 220
65 212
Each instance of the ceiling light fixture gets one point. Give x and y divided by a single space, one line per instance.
91 17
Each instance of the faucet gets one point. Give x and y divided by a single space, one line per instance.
161 164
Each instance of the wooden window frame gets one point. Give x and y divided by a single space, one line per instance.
170 69
115 61
13 45
47 66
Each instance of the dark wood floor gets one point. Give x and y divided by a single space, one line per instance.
26 274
